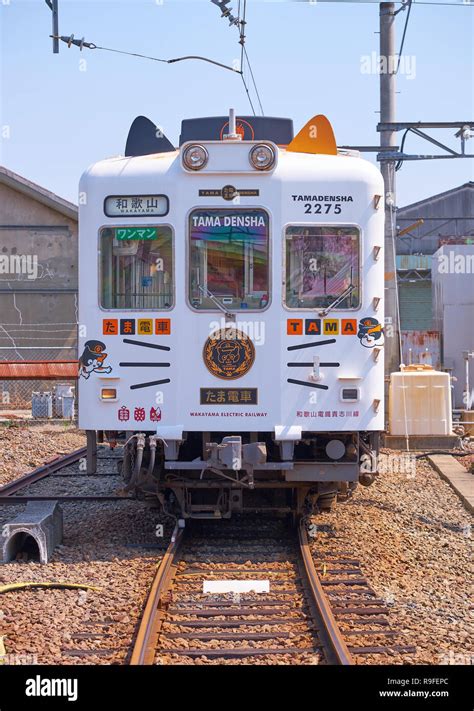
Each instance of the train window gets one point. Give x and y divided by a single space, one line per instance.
322 267
229 263
136 268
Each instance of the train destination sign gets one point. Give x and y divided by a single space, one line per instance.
134 205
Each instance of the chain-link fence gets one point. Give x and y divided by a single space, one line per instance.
18 394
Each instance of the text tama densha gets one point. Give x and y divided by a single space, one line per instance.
228 221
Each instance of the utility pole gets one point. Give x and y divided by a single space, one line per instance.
53 6
388 66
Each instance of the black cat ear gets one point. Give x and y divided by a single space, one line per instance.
145 138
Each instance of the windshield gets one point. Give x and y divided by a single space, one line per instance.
229 259
322 264
136 267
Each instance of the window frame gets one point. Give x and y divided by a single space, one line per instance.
99 268
229 308
315 309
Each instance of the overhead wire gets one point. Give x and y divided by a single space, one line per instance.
242 6
248 94
242 23
409 5
254 82
402 146
377 2
90 45
460 3
244 58
243 55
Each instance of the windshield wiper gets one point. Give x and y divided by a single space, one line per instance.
216 301
340 298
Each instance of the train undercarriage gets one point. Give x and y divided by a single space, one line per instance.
211 475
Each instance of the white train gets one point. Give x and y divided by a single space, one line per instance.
231 314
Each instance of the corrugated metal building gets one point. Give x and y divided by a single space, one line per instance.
453 310
443 219
446 217
414 291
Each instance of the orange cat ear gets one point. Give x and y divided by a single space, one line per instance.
316 137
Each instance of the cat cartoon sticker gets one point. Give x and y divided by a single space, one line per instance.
92 359
370 332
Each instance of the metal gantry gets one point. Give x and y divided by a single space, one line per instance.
465 131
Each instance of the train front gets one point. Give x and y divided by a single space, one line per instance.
232 323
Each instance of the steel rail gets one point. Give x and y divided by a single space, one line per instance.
43 471
331 632
144 648
145 645
12 500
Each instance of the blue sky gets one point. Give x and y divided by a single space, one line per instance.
62 114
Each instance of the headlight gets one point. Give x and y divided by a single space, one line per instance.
262 157
195 157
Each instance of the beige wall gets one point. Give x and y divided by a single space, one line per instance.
30 307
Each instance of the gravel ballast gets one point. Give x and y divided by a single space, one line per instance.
108 545
23 448
413 538
409 531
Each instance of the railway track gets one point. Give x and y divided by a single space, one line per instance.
46 469
309 614
318 606
13 492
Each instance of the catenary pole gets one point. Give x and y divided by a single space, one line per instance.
388 66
